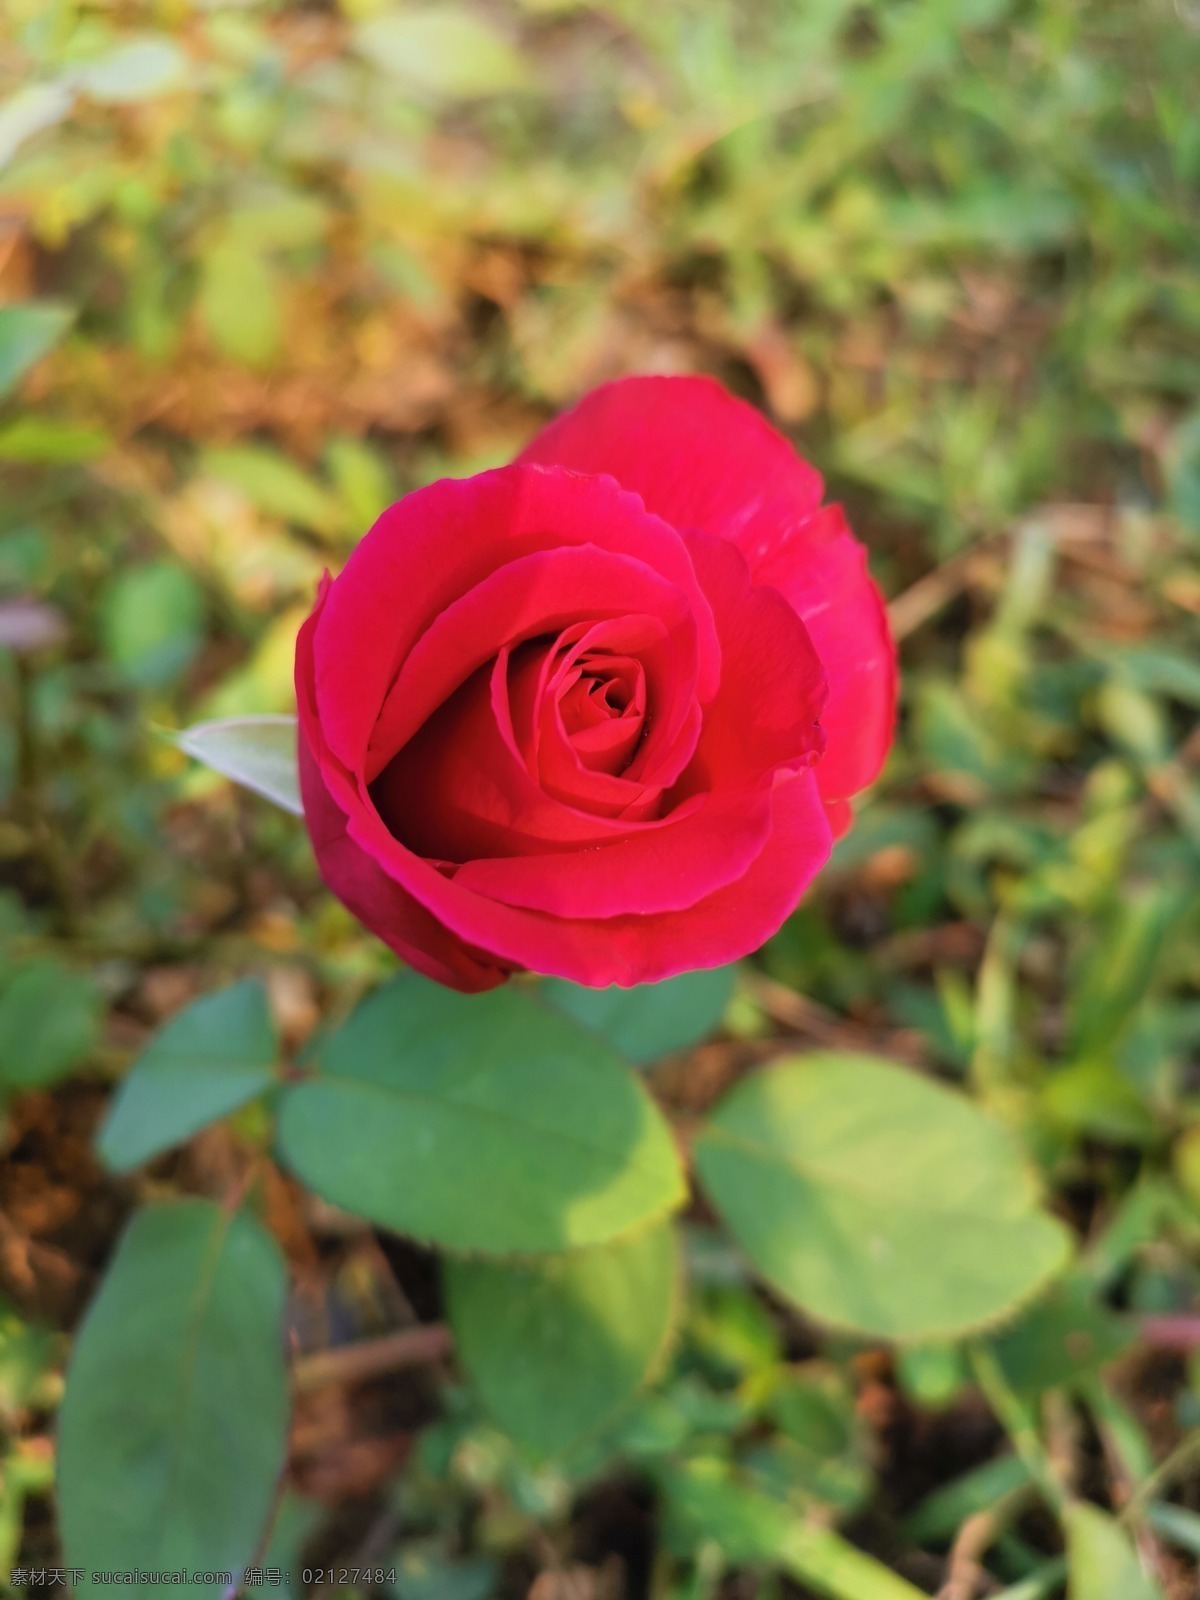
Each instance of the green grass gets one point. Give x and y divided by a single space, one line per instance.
264 266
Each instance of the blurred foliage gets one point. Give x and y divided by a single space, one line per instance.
264 266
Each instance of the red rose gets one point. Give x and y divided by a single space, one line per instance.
597 713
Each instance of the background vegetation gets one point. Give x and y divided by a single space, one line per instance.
265 266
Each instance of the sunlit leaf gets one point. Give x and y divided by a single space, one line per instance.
877 1199
1103 1562
136 69
257 752
446 51
704 1503
275 485
480 1122
45 440
240 302
32 110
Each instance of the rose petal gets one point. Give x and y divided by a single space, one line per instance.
380 903
460 789
634 948
767 713
665 865
822 570
699 457
438 544
535 596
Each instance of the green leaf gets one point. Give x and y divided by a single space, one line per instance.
1043 1582
173 1431
957 744
703 1503
240 302
275 485
444 52
1123 966
820 1456
939 1516
364 483
49 441
1102 1561
27 1360
277 217
137 69
257 752
294 1522
932 1375
49 1018
556 1347
27 332
216 1055
1177 1524
152 620
650 1019
876 1199
424 1573
1093 1097
479 1122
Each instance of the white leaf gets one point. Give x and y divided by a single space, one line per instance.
257 752
31 110
136 70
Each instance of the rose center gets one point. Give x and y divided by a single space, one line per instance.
600 702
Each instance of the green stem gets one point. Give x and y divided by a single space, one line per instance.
1173 1466
1017 1419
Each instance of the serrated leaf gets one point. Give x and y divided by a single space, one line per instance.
445 52
556 1347
483 1123
877 1200
49 1017
28 332
173 1431
214 1056
1102 1561
257 752
650 1019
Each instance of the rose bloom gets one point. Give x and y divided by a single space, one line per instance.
598 713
